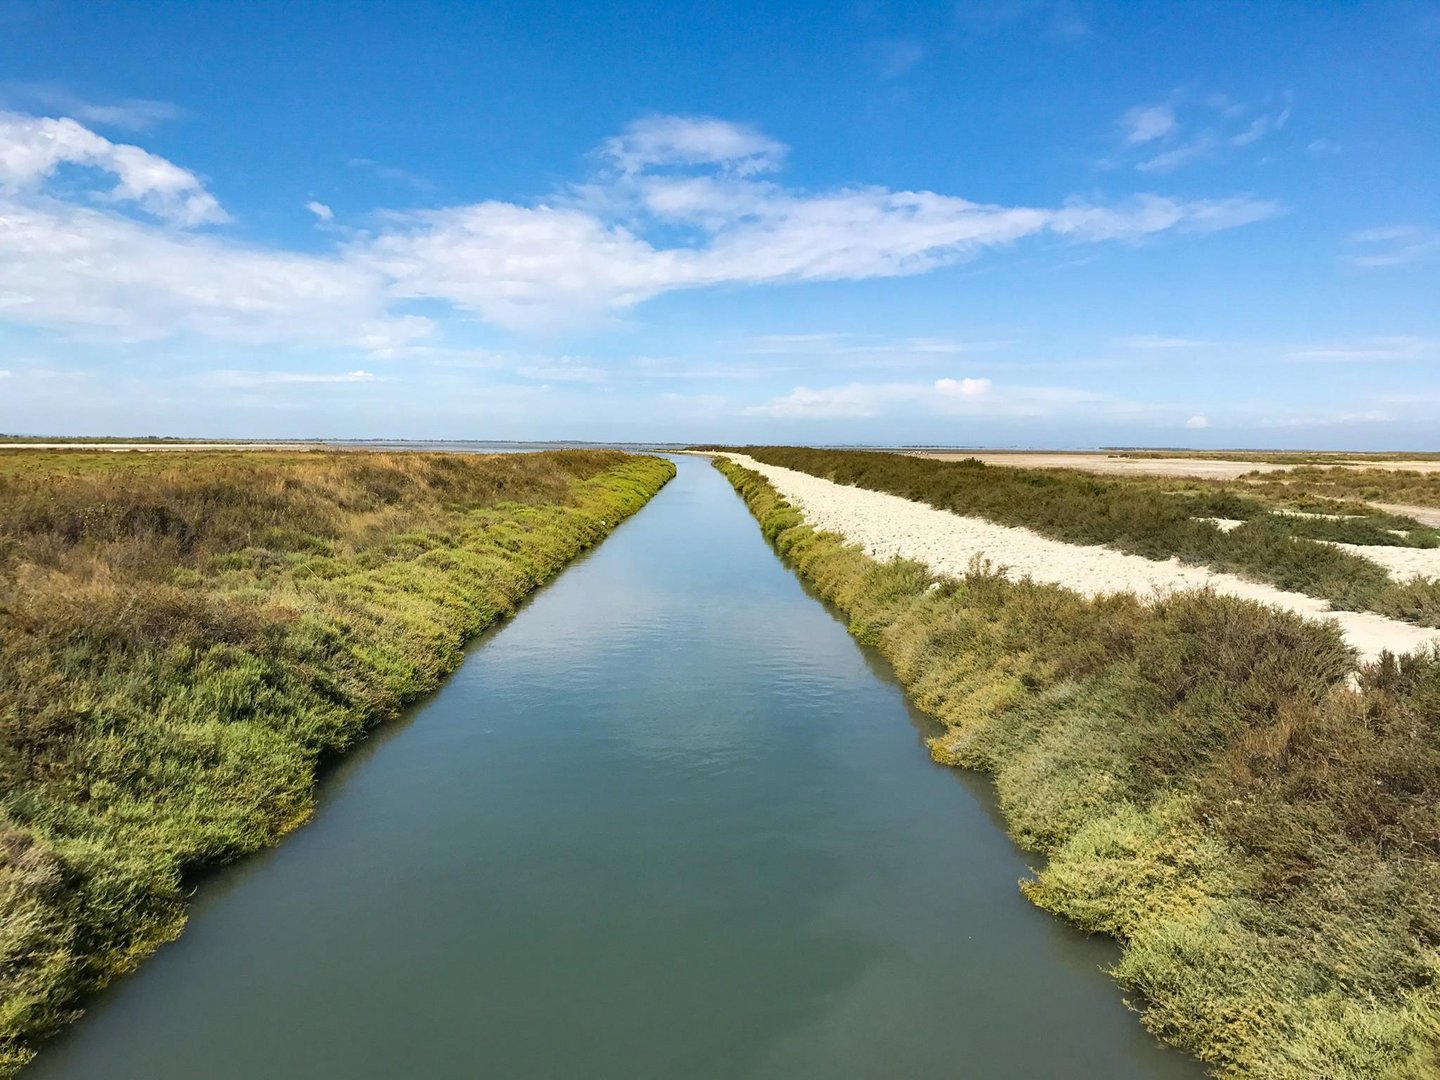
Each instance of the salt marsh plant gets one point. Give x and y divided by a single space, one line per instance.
185 637
1160 518
1204 784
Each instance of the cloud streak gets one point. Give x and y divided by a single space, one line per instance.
678 203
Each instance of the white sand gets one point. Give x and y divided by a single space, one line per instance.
888 525
1224 524
1402 563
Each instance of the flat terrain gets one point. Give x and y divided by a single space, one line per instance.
185 637
158 446
1209 779
889 526
1205 468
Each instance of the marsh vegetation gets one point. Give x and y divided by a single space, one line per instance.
1201 779
185 637
1161 518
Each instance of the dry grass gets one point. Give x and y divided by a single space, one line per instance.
184 637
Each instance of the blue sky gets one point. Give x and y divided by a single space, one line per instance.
1039 222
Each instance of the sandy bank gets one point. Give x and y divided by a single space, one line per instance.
888 525
1205 468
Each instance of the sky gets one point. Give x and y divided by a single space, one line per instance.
1044 223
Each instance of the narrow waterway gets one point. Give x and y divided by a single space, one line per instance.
668 822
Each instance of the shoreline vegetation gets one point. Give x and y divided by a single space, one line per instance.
1205 784
1162 518
185 638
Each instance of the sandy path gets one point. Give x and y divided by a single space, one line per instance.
888 525
1207 468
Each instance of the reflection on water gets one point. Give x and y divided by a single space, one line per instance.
670 821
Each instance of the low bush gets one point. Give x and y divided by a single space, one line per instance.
1151 517
1205 784
185 637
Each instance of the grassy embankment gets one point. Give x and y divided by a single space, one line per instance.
1204 786
1283 457
1160 517
185 637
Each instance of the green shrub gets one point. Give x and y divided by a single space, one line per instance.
183 637
1206 785
1154 518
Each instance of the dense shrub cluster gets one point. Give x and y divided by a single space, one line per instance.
183 637
1402 486
1205 784
1157 518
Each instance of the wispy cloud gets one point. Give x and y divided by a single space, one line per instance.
391 173
692 140
129 114
1395 245
896 57
248 379
1146 123
941 397
1156 341
1164 136
320 210
839 344
1399 347
1060 20
677 204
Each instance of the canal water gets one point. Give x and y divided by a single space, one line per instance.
670 821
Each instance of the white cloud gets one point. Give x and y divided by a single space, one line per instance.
1394 245
943 397
320 210
1198 422
247 379
693 140
91 272
1397 347
595 249
1145 123
965 388
32 148
4 374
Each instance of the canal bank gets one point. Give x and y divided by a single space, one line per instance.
670 820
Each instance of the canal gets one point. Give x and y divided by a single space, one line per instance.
669 821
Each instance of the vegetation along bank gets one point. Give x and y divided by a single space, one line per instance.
1261 836
185 637
1161 518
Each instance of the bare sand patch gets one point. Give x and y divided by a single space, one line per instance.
887 526
1204 468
